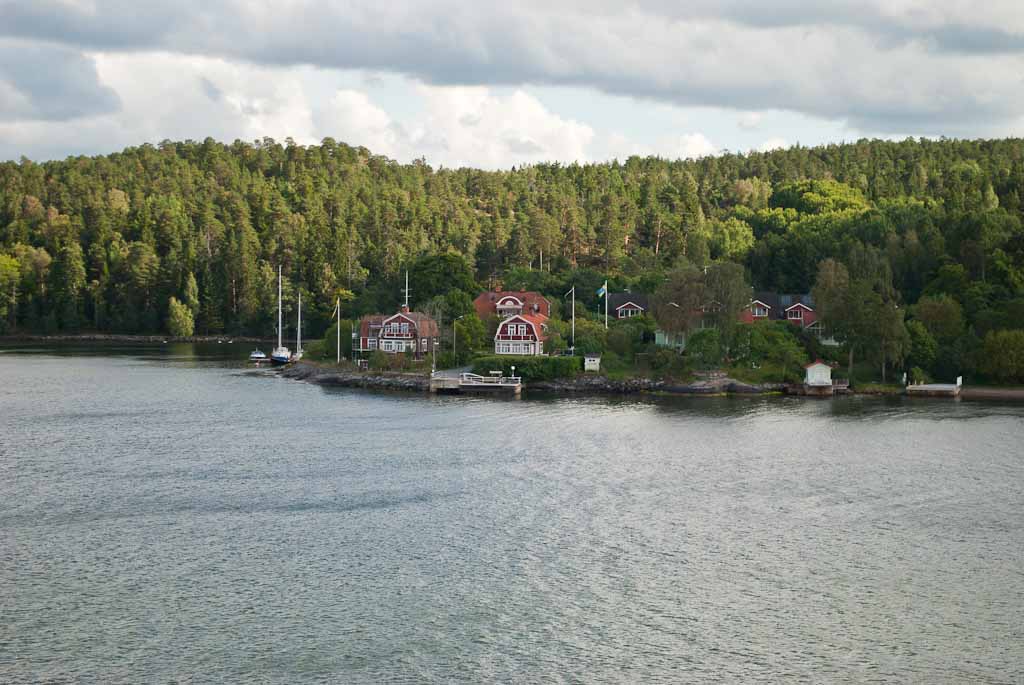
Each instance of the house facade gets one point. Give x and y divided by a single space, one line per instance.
406 331
521 334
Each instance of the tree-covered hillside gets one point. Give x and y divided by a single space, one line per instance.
104 243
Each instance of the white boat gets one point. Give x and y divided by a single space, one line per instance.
281 354
257 356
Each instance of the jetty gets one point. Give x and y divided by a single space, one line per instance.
936 389
495 383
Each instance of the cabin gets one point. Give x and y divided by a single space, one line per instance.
817 374
506 303
521 334
627 305
406 331
592 362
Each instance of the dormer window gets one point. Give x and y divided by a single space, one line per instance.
795 315
759 311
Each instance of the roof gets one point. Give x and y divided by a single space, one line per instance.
539 322
817 362
486 302
616 300
778 303
426 327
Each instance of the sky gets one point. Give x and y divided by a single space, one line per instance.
501 84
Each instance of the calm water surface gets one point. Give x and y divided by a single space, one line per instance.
167 515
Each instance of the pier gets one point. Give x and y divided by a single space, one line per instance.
936 389
471 382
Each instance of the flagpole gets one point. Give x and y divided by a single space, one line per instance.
606 305
574 318
338 310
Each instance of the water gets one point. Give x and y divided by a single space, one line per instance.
167 515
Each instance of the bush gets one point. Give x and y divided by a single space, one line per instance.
1003 356
530 368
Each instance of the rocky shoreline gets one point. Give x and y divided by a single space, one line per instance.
597 385
303 371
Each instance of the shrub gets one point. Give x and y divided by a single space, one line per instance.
530 368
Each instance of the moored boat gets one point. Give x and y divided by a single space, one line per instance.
257 356
280 354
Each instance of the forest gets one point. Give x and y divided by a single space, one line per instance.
913 250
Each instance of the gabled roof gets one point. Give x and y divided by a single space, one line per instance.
779 303
486 302
817 362
538 321
426 327
619 300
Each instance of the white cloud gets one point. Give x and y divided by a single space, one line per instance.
458 127
690 146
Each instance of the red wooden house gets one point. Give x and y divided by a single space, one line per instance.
522 334
406 331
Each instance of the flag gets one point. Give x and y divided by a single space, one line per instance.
602 290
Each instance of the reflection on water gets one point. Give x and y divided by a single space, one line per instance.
174 516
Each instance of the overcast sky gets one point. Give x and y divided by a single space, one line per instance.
467 83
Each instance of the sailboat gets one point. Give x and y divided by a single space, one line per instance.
281 354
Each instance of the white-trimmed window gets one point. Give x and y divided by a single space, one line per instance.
759 311
795 315
372 343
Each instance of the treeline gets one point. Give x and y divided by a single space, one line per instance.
105 243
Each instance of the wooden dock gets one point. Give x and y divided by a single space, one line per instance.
471 382
935 389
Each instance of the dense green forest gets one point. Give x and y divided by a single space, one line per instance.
915 249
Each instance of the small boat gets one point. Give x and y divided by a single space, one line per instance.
281 354
257 356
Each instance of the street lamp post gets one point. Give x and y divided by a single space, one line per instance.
455 333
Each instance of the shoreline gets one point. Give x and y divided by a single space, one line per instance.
128 339
312 372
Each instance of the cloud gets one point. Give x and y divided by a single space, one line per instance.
750 120
458 127
47 82
884 66
691 146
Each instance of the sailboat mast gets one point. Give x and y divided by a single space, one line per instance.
338 310
298 330
279 305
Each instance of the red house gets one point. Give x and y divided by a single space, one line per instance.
405 331
504 303
522 334
767 306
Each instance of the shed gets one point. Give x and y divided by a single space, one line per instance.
818 374
592 362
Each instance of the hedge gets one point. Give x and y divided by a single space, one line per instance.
530 368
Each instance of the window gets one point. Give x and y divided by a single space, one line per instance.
405 328
386 346
760 311
795 314
373 343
